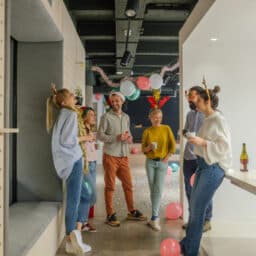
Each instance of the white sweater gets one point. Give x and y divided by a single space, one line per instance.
217 135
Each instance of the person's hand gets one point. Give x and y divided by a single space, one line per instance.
166 159
121 137
197 141
129 139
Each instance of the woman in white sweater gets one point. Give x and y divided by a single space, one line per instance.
213 148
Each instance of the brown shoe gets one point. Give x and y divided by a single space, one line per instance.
136 215
88 227
185 225
112 220
207 226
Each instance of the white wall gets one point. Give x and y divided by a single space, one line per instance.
229 62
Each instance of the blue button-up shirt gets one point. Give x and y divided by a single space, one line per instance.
194 121
65 145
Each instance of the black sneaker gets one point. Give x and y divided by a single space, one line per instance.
112 220
136 215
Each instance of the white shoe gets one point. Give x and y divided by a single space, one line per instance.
69 249
155 224
77 243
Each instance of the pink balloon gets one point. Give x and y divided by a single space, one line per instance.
169 170
192 180
97 96
170 247
143 83
174 211
134 150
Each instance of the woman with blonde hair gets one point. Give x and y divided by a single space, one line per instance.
68 161
158 144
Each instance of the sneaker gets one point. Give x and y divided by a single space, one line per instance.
112 220
69 248
207 226
88 227
136 215
77 243
155 224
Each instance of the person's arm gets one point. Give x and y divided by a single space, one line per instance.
145 148
102 135
185 130
68 136
171 145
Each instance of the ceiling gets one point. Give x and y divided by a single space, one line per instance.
153 41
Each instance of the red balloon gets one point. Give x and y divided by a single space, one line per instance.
97 96
134 150
192 180
174 211
143 83
170 247
169 170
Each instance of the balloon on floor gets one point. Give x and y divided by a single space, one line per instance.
173 211
134 150
192 180
169 170
170 247
175 167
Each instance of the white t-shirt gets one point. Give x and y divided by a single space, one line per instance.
217 135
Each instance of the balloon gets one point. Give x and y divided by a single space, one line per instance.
169 170
156 81
173 211
143 83
170 247
116 89
134 150
97 96
192 180
175 167
135 96
127 88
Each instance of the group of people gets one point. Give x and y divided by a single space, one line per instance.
73 148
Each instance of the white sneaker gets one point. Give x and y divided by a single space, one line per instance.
155 224
69 249
77 243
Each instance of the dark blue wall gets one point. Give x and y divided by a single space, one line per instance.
138 111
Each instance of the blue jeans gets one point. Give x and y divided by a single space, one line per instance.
156 172
207 180
189 168
90 183
76 197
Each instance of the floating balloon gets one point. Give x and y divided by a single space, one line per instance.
192 180
170 247
134 150
175 167
173 211
127 88
156 81
169 170
98 96
143 83
135 96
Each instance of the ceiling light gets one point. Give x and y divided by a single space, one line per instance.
119 72
214 39
126 58
131 8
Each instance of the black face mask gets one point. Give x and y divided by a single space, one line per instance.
192 105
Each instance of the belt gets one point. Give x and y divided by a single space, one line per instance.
157 159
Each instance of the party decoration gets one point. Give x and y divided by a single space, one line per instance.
170 247
127 88
98 96
192 180
163 101
134 150
156 81
173 211
135 96
170 69
143 83
175 167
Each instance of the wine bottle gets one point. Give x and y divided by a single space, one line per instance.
244 159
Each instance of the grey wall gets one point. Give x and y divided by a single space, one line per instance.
39 64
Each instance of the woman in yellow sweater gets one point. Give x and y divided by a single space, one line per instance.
158 144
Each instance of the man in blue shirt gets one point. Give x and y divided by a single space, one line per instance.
194 121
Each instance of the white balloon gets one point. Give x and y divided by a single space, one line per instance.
156 81
127 88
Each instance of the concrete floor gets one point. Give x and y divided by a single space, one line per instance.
136 238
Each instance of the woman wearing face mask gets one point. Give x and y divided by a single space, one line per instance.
158 144
194 121
212 146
